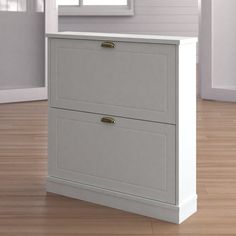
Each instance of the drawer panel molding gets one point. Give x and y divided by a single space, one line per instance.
131 80
130 156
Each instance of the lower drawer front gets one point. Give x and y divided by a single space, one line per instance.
130 156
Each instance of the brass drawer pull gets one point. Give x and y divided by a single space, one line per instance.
108 120
108 44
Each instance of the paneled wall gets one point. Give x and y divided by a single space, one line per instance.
166 17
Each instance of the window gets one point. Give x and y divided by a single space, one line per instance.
13 5
22 5
96 7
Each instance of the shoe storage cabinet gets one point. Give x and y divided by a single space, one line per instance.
122 122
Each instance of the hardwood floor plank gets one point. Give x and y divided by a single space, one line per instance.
27 210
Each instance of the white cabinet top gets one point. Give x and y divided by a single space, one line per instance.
124 37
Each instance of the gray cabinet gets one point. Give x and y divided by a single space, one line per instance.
122 122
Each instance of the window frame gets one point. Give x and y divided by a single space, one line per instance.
99 10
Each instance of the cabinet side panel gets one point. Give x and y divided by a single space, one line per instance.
186 128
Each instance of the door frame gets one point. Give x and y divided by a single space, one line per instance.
206 65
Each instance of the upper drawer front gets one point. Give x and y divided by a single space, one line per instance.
132 80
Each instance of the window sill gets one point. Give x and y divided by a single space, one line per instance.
96 10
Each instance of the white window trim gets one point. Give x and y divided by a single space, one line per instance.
97 10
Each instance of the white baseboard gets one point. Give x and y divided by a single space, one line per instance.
167 212
23 95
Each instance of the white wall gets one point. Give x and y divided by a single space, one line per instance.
166 17
51 16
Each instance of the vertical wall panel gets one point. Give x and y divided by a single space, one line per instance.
22 48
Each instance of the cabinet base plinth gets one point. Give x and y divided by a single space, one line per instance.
142 206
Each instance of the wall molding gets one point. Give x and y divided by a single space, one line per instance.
23 95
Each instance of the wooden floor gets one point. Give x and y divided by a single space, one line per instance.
27 210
